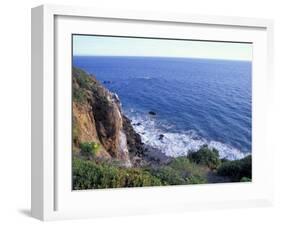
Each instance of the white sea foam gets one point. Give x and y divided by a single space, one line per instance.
178 144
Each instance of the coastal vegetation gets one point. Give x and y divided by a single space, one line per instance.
180 171
237 170
90 174
206 156
108 153
89 149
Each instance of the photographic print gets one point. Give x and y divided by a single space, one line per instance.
157 112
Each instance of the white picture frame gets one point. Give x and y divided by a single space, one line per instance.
52 198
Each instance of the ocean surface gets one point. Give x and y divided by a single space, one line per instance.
196 101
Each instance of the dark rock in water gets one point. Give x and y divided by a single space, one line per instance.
137 124
134 142
161 136
151 113
107 82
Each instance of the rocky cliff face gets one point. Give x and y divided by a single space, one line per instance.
97 117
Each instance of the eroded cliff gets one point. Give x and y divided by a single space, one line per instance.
98 118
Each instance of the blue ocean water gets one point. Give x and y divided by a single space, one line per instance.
196 101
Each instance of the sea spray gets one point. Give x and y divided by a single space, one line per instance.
176 144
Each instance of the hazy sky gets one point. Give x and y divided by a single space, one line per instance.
118 46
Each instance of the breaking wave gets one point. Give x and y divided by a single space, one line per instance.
176 144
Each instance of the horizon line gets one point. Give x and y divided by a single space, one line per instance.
203 58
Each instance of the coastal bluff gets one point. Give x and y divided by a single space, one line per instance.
98 120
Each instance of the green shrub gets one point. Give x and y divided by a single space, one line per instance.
136 177
82 82
89 148
237 169
168 176
196 179
192 172
89 175
82 78
206 156
180 171
79 95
